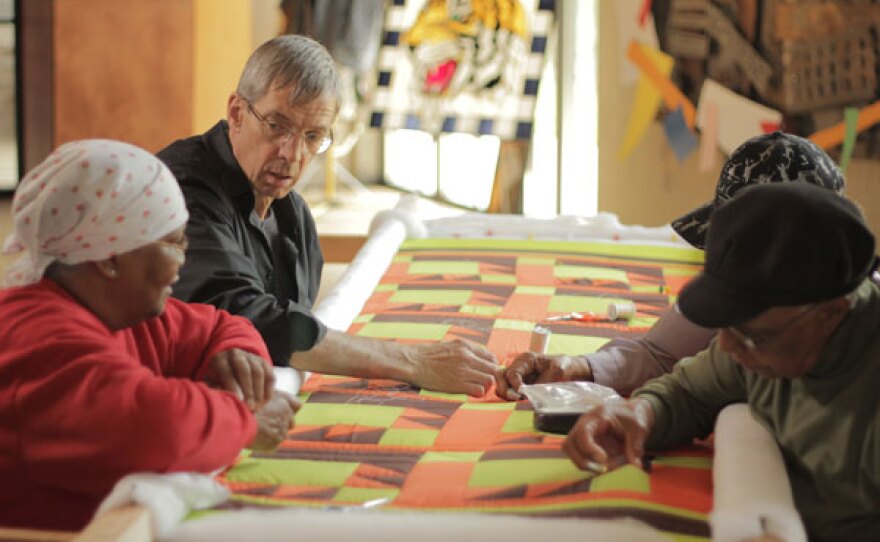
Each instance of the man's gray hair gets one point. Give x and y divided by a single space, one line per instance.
294 61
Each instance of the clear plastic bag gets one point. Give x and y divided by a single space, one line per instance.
558 405
567 397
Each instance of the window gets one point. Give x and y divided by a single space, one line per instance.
458 168
562 174
8 125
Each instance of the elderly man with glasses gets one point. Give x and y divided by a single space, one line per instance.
253 246
789 283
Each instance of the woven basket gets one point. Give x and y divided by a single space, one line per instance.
836 71
834 63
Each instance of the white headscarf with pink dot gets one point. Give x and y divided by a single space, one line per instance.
88 201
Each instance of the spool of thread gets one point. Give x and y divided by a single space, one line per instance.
540 340
621 311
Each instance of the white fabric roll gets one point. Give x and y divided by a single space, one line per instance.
752 493
404 212
343 303
168 497
288 379
328 526
388 230
602 227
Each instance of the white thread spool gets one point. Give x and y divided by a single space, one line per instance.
540 340
621 311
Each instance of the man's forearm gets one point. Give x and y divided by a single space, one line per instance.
342 354
454 366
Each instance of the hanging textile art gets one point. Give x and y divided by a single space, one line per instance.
470 66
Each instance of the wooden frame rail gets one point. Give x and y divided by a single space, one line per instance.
127 524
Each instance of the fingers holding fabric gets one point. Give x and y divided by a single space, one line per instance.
274 420
244 374
532 368
454 367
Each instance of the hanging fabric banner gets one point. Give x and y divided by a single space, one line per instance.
680 137
633 25
739 118
468 66
850 119
708 137
646 102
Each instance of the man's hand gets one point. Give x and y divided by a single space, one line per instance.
610 435
454 367
274 420
247 375
531 368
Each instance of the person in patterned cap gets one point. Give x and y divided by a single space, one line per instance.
772 158
625 364
103 373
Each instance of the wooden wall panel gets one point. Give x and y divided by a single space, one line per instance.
37 123
222 45
123 70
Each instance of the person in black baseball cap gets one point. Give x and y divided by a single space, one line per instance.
625 363
778 246
779 254
790 283
770 158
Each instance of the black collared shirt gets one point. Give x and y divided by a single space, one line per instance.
230 262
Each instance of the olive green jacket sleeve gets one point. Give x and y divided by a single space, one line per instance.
687 401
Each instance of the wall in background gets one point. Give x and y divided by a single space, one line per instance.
222 42
651 186
132 70
143 72
225 34
123 70
863 187
266 21
8 123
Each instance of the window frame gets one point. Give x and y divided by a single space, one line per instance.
15 21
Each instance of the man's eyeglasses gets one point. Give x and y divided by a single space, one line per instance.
762 341
316 141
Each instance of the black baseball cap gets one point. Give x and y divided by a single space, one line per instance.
770 158
776 245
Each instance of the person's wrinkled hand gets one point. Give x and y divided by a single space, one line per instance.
610 435
246 375
274 420
454 367
532 368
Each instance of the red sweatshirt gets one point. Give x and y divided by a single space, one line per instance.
82 406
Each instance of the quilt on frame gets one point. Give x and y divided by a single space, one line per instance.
362 442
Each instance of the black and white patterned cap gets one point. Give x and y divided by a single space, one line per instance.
770 158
